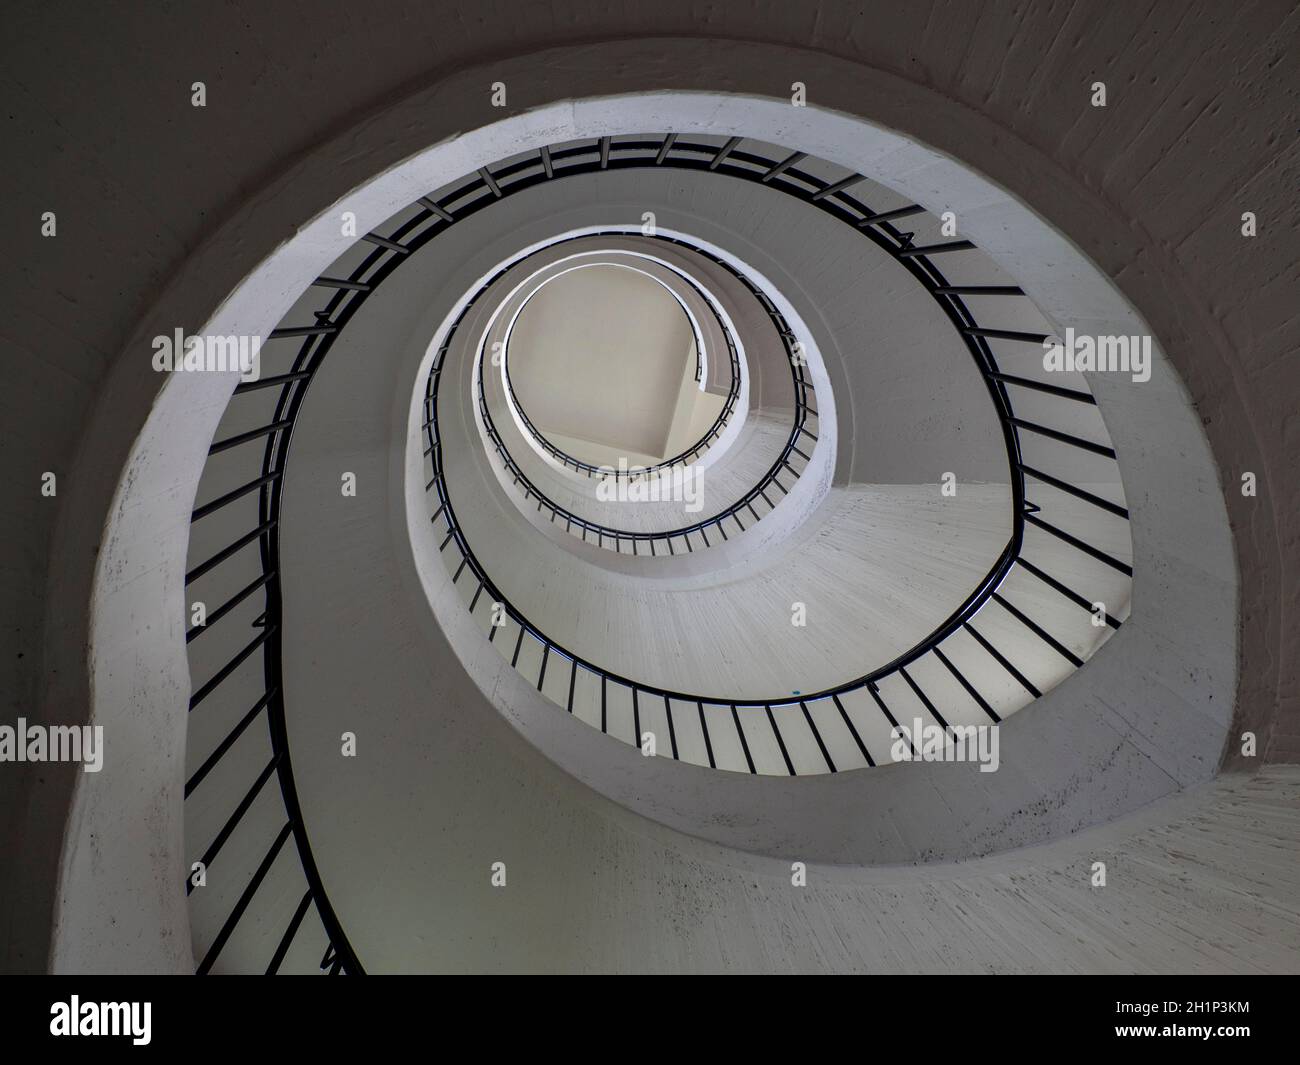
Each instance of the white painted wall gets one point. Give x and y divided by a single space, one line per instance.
598 353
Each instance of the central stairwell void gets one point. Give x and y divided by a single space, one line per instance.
748 486
696 509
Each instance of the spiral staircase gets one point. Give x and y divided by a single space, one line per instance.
626 479
955 604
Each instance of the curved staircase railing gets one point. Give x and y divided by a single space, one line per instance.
782 714
817 710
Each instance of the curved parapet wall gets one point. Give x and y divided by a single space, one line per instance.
788 750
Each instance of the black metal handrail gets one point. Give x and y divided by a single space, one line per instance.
803 411
339 957
683 458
